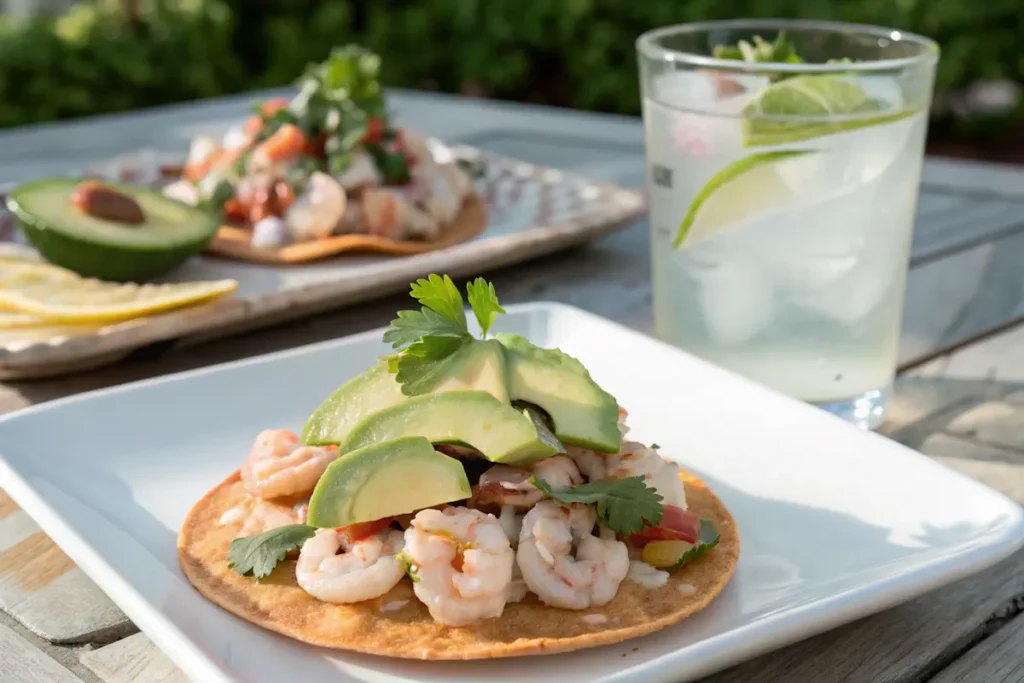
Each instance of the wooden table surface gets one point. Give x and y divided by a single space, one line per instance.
959 397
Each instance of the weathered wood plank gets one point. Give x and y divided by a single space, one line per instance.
906 644
20 662
999 659
43 589
132 660
999 468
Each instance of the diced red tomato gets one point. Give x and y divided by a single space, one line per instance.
374 131
234 210
675 525
356 532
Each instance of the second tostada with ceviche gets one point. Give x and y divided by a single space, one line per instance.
466 497
328 171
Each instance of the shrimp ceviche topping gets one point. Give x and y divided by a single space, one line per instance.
483 470
327 162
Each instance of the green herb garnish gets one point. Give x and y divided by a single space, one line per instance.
426 337
408 566
779 51
258 555
707 539
623 505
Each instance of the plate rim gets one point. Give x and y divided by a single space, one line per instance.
740 644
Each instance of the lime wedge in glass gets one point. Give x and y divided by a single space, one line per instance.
827 104
741 189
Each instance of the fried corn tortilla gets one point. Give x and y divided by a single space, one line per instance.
236 242
406 629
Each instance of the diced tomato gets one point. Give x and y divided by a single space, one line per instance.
288 142
375 129
675 525
234 210
356 532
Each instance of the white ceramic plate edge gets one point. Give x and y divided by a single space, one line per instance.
723 651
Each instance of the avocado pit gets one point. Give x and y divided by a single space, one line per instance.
95 199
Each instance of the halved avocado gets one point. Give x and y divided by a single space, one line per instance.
474 418
170 233
386 479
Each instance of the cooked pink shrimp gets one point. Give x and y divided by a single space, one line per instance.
279 465
504 485
545 558
366 570
461 562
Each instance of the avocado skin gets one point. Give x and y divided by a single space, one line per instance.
104 262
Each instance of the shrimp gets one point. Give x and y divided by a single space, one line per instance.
462 564
591 464
318 208
266 515
636 459
504 485
279 465
544 556
367 569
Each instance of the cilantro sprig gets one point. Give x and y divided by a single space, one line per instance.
258 555
623 505
425 338
707 539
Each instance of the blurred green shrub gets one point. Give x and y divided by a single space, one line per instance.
576 53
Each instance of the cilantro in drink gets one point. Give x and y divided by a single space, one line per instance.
780 50
426 337
623 505
259 555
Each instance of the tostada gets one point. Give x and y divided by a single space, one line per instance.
466 497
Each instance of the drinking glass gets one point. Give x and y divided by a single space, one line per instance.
783 161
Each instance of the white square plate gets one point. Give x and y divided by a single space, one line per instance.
835 524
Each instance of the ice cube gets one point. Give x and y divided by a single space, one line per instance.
738 302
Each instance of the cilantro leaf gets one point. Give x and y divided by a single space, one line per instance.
410 326
707 539
440 295
419 366
623 505
484 301
258 555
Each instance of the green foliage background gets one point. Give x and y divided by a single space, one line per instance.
102 56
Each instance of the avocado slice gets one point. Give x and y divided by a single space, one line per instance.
583 413
361 396
478 366
169 234
473 418
386 479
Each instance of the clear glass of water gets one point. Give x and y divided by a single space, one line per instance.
783 160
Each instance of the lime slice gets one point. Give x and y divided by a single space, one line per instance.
766 118
93 301
737 191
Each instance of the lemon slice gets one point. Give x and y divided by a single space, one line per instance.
747 186
94 301
31 271
806 107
